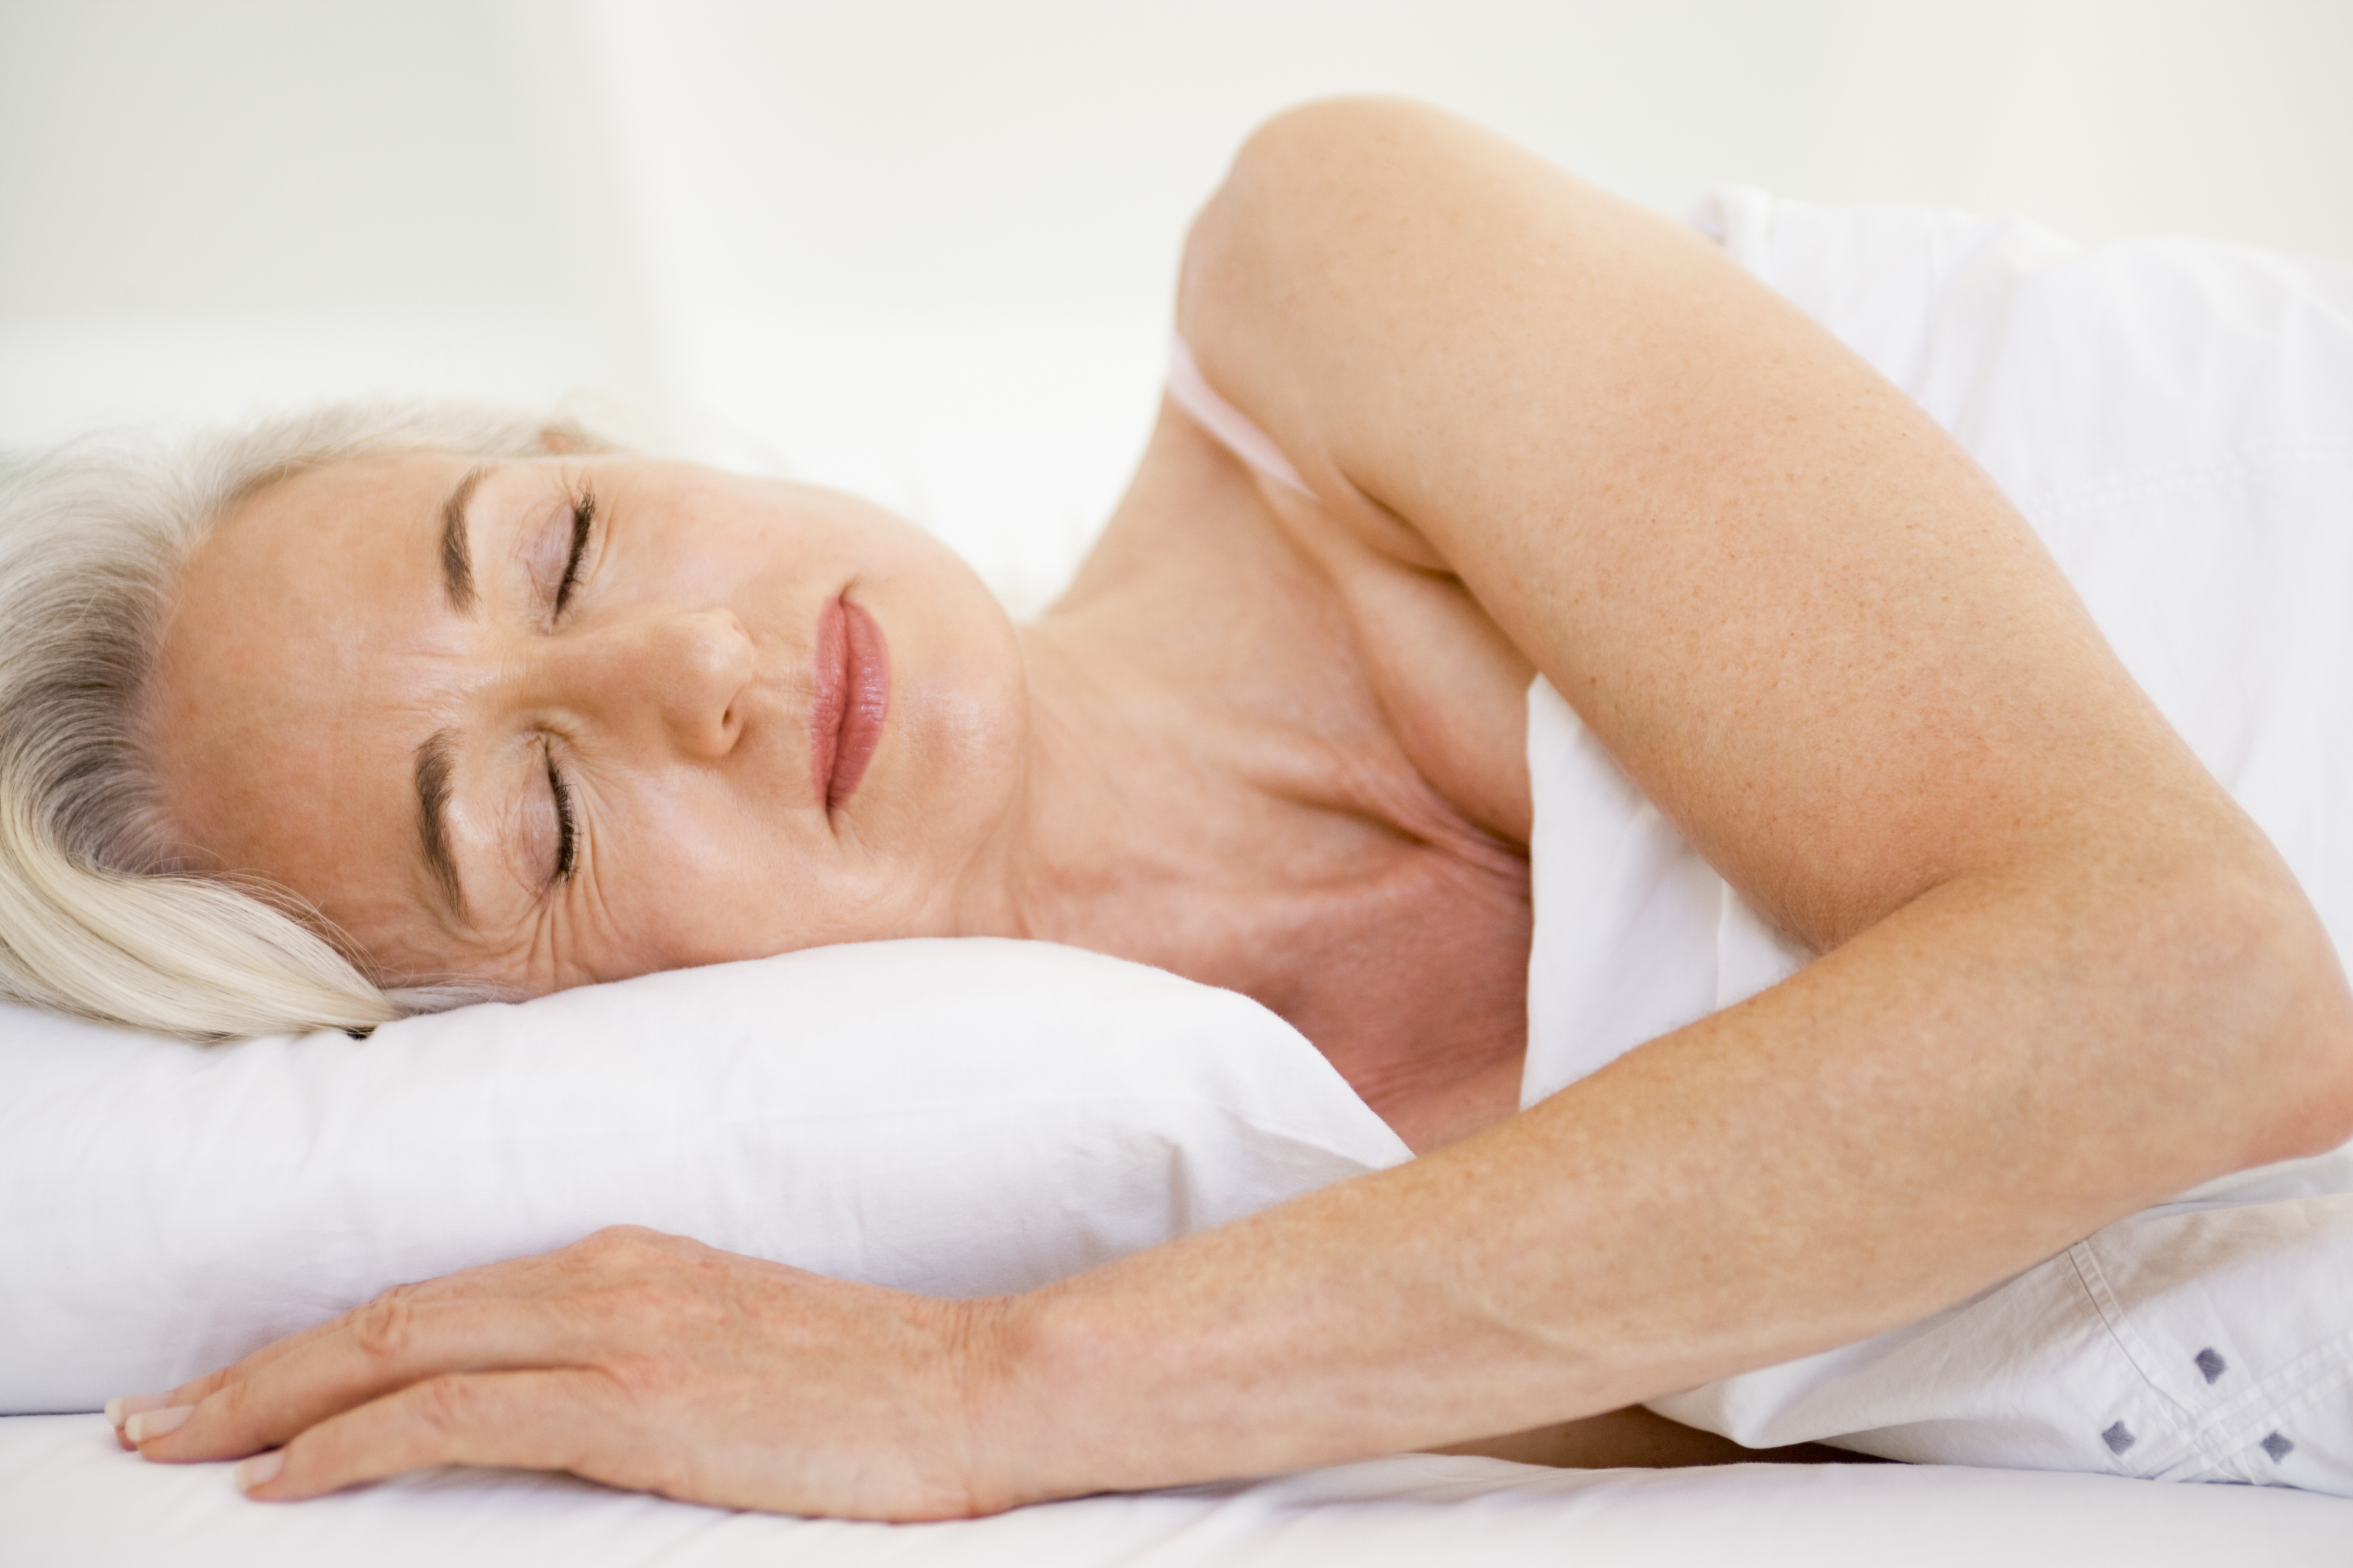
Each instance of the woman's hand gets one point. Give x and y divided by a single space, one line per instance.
646 1360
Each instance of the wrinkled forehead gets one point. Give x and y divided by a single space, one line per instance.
294 663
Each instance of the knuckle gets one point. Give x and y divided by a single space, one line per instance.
619 1245
449 1404
386 1327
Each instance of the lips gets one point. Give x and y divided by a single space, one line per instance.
853 694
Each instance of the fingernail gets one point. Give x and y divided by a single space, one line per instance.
149 1424
260 1468
118 1411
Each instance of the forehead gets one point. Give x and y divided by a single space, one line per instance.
318 540
298 671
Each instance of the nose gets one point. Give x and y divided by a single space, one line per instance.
677 678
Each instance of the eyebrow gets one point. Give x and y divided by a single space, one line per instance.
456 552
433 765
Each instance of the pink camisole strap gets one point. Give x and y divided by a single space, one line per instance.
1229 423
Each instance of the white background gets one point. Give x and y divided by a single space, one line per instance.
773 228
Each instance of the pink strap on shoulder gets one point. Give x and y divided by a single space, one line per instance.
1229 423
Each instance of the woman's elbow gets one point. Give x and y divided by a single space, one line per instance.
2278 994
2314 1111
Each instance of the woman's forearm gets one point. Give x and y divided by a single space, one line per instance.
2065 975
1981 1078
1980 1081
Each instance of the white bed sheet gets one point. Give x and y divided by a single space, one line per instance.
69 1496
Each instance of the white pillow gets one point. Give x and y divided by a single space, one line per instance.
959 1117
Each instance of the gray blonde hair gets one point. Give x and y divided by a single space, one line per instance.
96 916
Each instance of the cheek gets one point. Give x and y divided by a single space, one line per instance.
705 869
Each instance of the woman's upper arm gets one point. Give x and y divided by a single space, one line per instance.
1794 609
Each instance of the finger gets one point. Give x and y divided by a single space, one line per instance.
539 1420
199 1389
365 1331
120 1411
400 1338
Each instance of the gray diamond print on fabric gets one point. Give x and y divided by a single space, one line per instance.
2119 1437
2278 1447
2211 1363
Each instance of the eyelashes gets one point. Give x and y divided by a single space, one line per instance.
584 524
567 838
567 834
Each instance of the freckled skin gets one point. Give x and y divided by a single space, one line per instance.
1273 742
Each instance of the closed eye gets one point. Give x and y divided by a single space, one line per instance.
584 522
568 842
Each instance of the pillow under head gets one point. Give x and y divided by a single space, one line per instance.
958 1117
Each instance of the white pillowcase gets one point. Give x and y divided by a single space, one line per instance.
958 1117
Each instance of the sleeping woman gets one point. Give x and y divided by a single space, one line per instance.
383 709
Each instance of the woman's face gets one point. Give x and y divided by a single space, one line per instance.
568 720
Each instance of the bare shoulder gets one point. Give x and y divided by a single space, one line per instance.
1798 614
1315 164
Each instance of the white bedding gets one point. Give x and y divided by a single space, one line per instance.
70 1497
65 1493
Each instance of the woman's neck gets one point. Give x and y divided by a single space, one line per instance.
1214 789
1163 820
